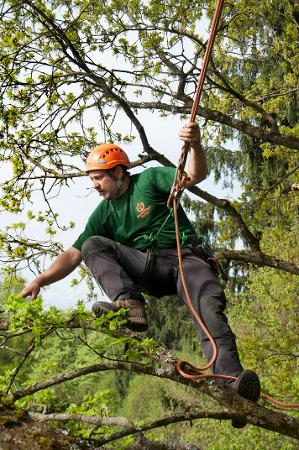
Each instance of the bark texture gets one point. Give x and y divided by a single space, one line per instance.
19 432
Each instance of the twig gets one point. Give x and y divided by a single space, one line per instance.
18 368
260 200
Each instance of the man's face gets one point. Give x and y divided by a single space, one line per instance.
104 184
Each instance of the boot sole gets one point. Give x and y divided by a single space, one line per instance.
137 323
248 387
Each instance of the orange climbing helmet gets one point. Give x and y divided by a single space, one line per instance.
106 156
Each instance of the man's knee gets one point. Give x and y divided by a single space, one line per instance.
213 303
211 310
95 244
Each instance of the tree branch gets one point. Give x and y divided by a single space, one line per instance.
18 368
268 117
76 373
264 194
98 421
19 432
164 422
258 259
164 366
141 443
77 59
274 137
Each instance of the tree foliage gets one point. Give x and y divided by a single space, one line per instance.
76 73
73 71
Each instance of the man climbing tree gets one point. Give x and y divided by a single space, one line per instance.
129 247
77 73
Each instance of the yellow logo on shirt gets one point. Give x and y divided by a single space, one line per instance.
142 210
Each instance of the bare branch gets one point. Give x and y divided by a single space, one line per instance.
19 431
185 417
117 365
258 259
99 421
259 133
141 443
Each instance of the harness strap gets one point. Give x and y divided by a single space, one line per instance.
152 237
148 270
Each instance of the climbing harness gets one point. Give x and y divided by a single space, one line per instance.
152 237
151 240
179 184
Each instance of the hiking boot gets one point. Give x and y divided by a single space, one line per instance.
135 315
248 386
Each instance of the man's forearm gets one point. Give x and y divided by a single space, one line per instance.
197 164
62 266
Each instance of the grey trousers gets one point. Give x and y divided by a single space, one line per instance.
118 270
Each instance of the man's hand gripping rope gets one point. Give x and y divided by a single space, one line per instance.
181 177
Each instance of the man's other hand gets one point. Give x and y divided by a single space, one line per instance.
32 289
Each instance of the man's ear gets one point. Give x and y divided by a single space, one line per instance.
118 172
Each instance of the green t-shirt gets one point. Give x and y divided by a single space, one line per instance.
137 216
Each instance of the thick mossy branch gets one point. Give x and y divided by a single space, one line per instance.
19 431
161 363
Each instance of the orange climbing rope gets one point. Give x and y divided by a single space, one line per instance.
176 191
180 177
181 365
